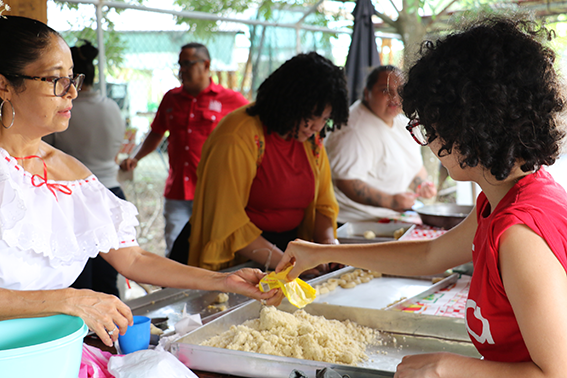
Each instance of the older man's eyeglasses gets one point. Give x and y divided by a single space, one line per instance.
61 85
418 132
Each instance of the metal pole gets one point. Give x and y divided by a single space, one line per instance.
101 51
213 17
297 40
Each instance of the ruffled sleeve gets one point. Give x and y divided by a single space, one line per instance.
63 228
219 223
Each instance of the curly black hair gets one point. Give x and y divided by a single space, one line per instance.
301 88
489 91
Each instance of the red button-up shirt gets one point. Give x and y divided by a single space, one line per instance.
190 120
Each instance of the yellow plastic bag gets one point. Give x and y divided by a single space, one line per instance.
298 292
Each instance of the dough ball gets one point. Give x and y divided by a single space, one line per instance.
349 285
398 233
369 234
434 280
332 287
222 298
155 330
358 272
366 278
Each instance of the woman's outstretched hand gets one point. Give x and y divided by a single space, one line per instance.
245 281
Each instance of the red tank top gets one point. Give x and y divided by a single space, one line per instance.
541 204
283 187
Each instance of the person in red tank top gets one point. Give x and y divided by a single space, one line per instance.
486 99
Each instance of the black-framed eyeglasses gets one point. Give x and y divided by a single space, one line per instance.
189 63
61 85
418 132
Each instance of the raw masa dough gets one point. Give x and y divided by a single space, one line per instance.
221 298
369 234
299 335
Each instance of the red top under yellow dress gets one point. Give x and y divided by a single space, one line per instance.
283 186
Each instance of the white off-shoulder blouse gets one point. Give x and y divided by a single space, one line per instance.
47 236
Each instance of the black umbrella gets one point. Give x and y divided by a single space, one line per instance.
362 53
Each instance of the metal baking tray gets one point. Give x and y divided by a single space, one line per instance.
169 303
353 232
381 293
402 333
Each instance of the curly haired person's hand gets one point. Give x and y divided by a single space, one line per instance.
104 314
429 365
245 281
302 255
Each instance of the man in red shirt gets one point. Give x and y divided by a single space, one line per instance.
190 113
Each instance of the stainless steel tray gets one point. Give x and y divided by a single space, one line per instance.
353 232
403 333
169 303
381 293
378 294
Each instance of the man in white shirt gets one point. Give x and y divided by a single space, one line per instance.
377 168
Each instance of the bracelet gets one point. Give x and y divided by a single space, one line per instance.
269 259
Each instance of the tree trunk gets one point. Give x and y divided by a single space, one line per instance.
412 30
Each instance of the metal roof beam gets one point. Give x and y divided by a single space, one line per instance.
206 16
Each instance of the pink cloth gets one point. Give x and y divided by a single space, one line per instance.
94 363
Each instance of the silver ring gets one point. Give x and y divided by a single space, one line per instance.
263 302
110 333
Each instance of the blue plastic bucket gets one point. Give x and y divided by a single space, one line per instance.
42 347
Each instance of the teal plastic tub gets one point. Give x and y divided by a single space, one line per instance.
42 347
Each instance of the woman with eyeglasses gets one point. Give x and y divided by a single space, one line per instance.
487 101
264 176
98 123
54 213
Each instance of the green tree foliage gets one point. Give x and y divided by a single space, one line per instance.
266 9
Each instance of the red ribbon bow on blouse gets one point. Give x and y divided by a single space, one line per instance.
51 186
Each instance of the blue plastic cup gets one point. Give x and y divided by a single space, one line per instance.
137 337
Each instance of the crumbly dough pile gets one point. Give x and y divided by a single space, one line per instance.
299 335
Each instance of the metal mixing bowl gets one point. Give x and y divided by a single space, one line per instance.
444 215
